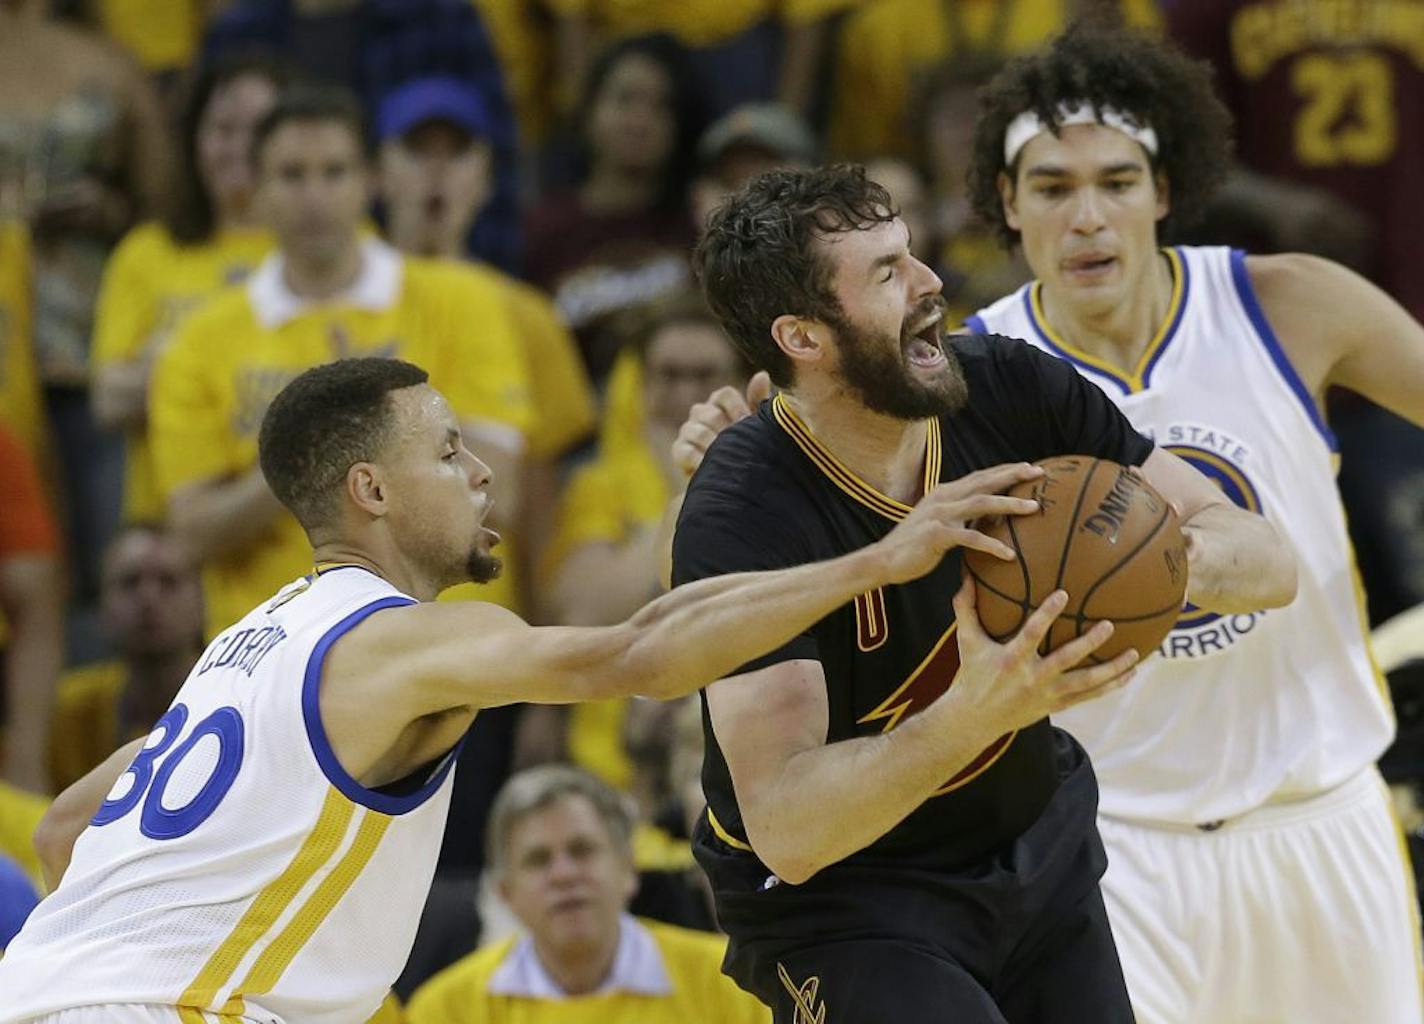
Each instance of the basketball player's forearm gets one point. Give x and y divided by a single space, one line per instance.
705 630
1237 562
222 517
834 800
72 810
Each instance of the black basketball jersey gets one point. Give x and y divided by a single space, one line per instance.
769 495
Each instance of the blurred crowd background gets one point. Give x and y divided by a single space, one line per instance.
199 199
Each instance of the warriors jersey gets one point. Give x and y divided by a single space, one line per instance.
1235 710
769 495
236 868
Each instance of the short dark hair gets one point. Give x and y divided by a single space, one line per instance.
1095 63
308 102
758 259
324 422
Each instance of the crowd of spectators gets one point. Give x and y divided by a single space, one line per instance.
201 198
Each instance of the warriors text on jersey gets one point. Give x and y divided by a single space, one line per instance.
1236 710
235 867
770 495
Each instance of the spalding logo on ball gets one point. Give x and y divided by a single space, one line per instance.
1102 534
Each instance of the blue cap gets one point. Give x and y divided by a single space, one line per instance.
443 98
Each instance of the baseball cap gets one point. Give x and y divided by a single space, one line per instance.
442 97
769 126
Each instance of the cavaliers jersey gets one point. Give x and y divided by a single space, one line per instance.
1235 710
1328 93
236 868
770 495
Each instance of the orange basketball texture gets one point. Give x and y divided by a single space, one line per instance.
1103 535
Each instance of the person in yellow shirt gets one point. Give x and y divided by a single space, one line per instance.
325 294
602 562
560 847
163 269
151 605
436 175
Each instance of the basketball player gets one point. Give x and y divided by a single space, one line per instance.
895 833
1254 869
266 854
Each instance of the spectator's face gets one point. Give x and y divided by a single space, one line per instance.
686 362
565 879
631 125
436 492
313 188
1087 208
434 182
889 342
224 140
152 601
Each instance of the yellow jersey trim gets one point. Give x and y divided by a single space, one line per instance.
318 847
726 836
843 477
278 956
1137 379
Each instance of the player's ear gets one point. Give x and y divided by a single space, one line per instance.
1164 194
802 340
1008 196
366 488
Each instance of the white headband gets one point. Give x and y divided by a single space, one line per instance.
1027 125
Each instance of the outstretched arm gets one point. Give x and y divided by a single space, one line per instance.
425 659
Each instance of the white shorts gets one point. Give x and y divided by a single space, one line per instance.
1303 913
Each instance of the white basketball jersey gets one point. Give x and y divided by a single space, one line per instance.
1235 710
236 868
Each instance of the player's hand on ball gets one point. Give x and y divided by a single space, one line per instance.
706 420
1017 684
942 520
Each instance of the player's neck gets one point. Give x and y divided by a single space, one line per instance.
396 570
886 452
1117 333
322 279
578 972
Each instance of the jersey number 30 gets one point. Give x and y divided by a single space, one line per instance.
160 821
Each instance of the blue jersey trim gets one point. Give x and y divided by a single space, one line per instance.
1247 294
316 732
976 324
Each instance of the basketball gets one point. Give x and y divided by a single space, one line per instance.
1105 537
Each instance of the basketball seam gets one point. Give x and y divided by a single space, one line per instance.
1073 525
1020 605
1156 529
1027 603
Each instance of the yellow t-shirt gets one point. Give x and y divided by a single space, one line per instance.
606 501
162 34
694 22
884 45
564 407
621 430
701 994
21 409
20 814
212 385
150 284
84 727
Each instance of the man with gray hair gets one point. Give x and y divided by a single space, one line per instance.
560 848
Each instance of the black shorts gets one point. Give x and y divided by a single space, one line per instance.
1022 937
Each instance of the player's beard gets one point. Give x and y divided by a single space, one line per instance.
483 567
878 372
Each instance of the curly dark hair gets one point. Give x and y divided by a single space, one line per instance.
322 423
1153 82
757 260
